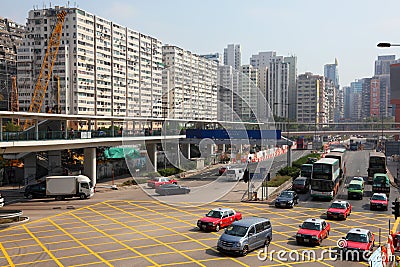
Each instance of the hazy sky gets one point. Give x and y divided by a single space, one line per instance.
315 31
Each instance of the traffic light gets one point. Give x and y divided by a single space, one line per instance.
246 175
396 209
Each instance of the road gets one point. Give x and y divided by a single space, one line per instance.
129 228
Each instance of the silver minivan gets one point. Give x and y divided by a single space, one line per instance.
245 235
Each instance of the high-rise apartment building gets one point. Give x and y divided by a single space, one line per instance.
233 56
331 72
247 107
330 107
190 85
347 103
277 81
277 89
11 35
228 79
217 57
311 98
382 72
382 64
104 68
366 98
261 61
355 98
292 86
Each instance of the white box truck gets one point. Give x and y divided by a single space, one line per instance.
61 187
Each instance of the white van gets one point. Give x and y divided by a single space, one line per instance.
234 174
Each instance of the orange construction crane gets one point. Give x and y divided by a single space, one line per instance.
47 67
14 97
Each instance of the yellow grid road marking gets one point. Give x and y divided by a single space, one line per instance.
395 225
178 232
80 243
10 262
116 240
148 236
42 246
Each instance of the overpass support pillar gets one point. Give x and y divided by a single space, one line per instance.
55 162
89 163
289 156
30 167
223 148
152 157
186 147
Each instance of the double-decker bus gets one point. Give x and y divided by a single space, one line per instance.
339 156
376 164
325 178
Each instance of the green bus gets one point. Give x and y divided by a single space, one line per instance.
376 164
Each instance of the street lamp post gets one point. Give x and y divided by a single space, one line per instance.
386 45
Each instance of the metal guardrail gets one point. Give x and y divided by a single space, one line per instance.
8 214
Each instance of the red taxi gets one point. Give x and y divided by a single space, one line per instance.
360 241
339 209
378 201
313 231
153 183
218 218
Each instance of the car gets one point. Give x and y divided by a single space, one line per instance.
153 183
301 184
1 201
313 231
245 235
359 241
218 218
378 201
357 178
287 198
234 174
35 190
355 189
339 209
223 169
172 189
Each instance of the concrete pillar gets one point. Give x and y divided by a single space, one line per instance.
152 155
89 164
66 130
188 151
30 168
223 148
241 149
1 129
112 129
55 167
289 156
